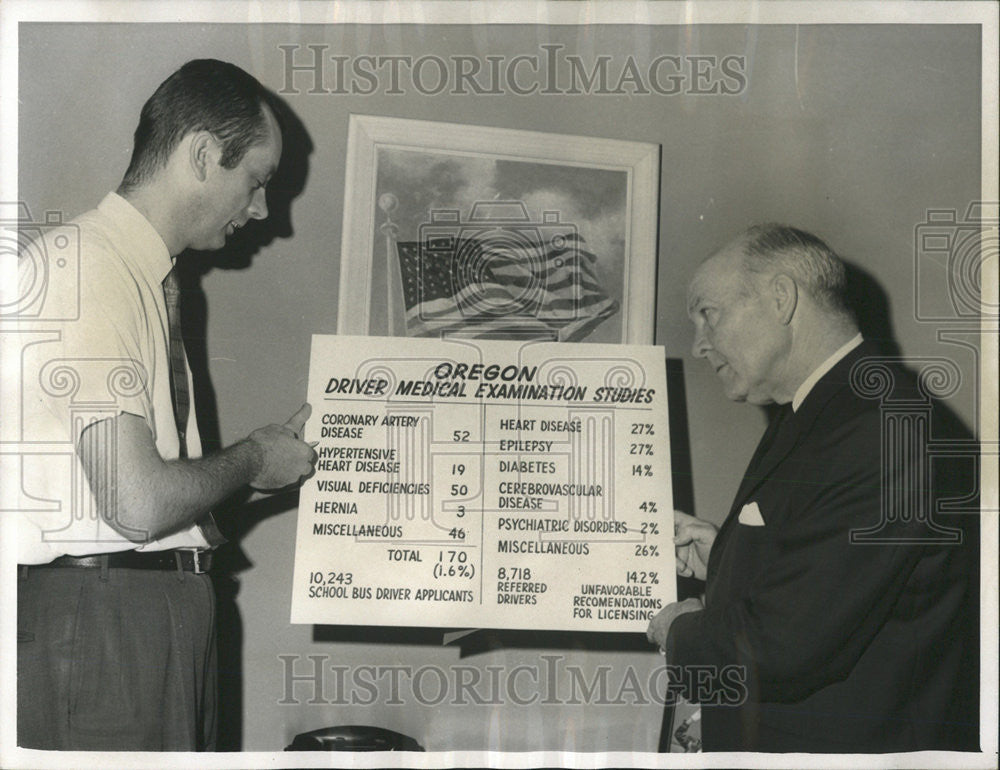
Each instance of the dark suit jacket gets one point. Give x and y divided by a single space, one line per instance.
823 644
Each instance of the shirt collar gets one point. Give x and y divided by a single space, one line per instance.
146 247
823 368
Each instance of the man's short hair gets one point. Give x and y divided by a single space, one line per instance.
203 95
775 248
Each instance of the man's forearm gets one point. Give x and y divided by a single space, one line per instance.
182 491
144 497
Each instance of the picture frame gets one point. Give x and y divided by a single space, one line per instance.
454 229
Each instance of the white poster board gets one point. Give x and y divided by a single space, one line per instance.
485 483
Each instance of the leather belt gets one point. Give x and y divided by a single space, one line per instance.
186 560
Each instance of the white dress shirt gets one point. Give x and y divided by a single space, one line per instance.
101 351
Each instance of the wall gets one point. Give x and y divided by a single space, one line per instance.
850 132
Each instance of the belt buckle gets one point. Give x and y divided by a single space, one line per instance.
202 561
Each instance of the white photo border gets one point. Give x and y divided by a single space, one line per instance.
761 12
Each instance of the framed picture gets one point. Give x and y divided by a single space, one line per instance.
488 232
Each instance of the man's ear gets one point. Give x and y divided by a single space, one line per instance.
785 295
203 153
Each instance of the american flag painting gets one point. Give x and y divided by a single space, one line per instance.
499 282
477 231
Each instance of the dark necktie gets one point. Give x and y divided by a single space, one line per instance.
779 418
179 393
752 475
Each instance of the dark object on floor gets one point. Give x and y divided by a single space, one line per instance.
353 738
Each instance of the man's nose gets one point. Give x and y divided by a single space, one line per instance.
700 346
258 204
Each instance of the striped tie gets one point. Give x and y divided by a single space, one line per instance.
179 393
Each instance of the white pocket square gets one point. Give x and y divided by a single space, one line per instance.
750 515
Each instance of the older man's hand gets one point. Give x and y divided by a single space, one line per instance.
659 626
693 540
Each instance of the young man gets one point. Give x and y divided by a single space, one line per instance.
116 643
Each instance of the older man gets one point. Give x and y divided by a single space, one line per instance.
838 643
116 643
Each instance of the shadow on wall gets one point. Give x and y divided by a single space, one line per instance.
871 309
288 182
870 303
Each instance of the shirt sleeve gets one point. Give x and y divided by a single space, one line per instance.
82 361
95 368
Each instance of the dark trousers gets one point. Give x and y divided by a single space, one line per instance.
115 659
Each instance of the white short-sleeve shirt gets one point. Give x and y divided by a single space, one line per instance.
98 332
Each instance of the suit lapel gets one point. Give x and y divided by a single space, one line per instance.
799 424
773 446
795 426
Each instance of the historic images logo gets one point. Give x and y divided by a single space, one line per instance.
318 680
310 69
